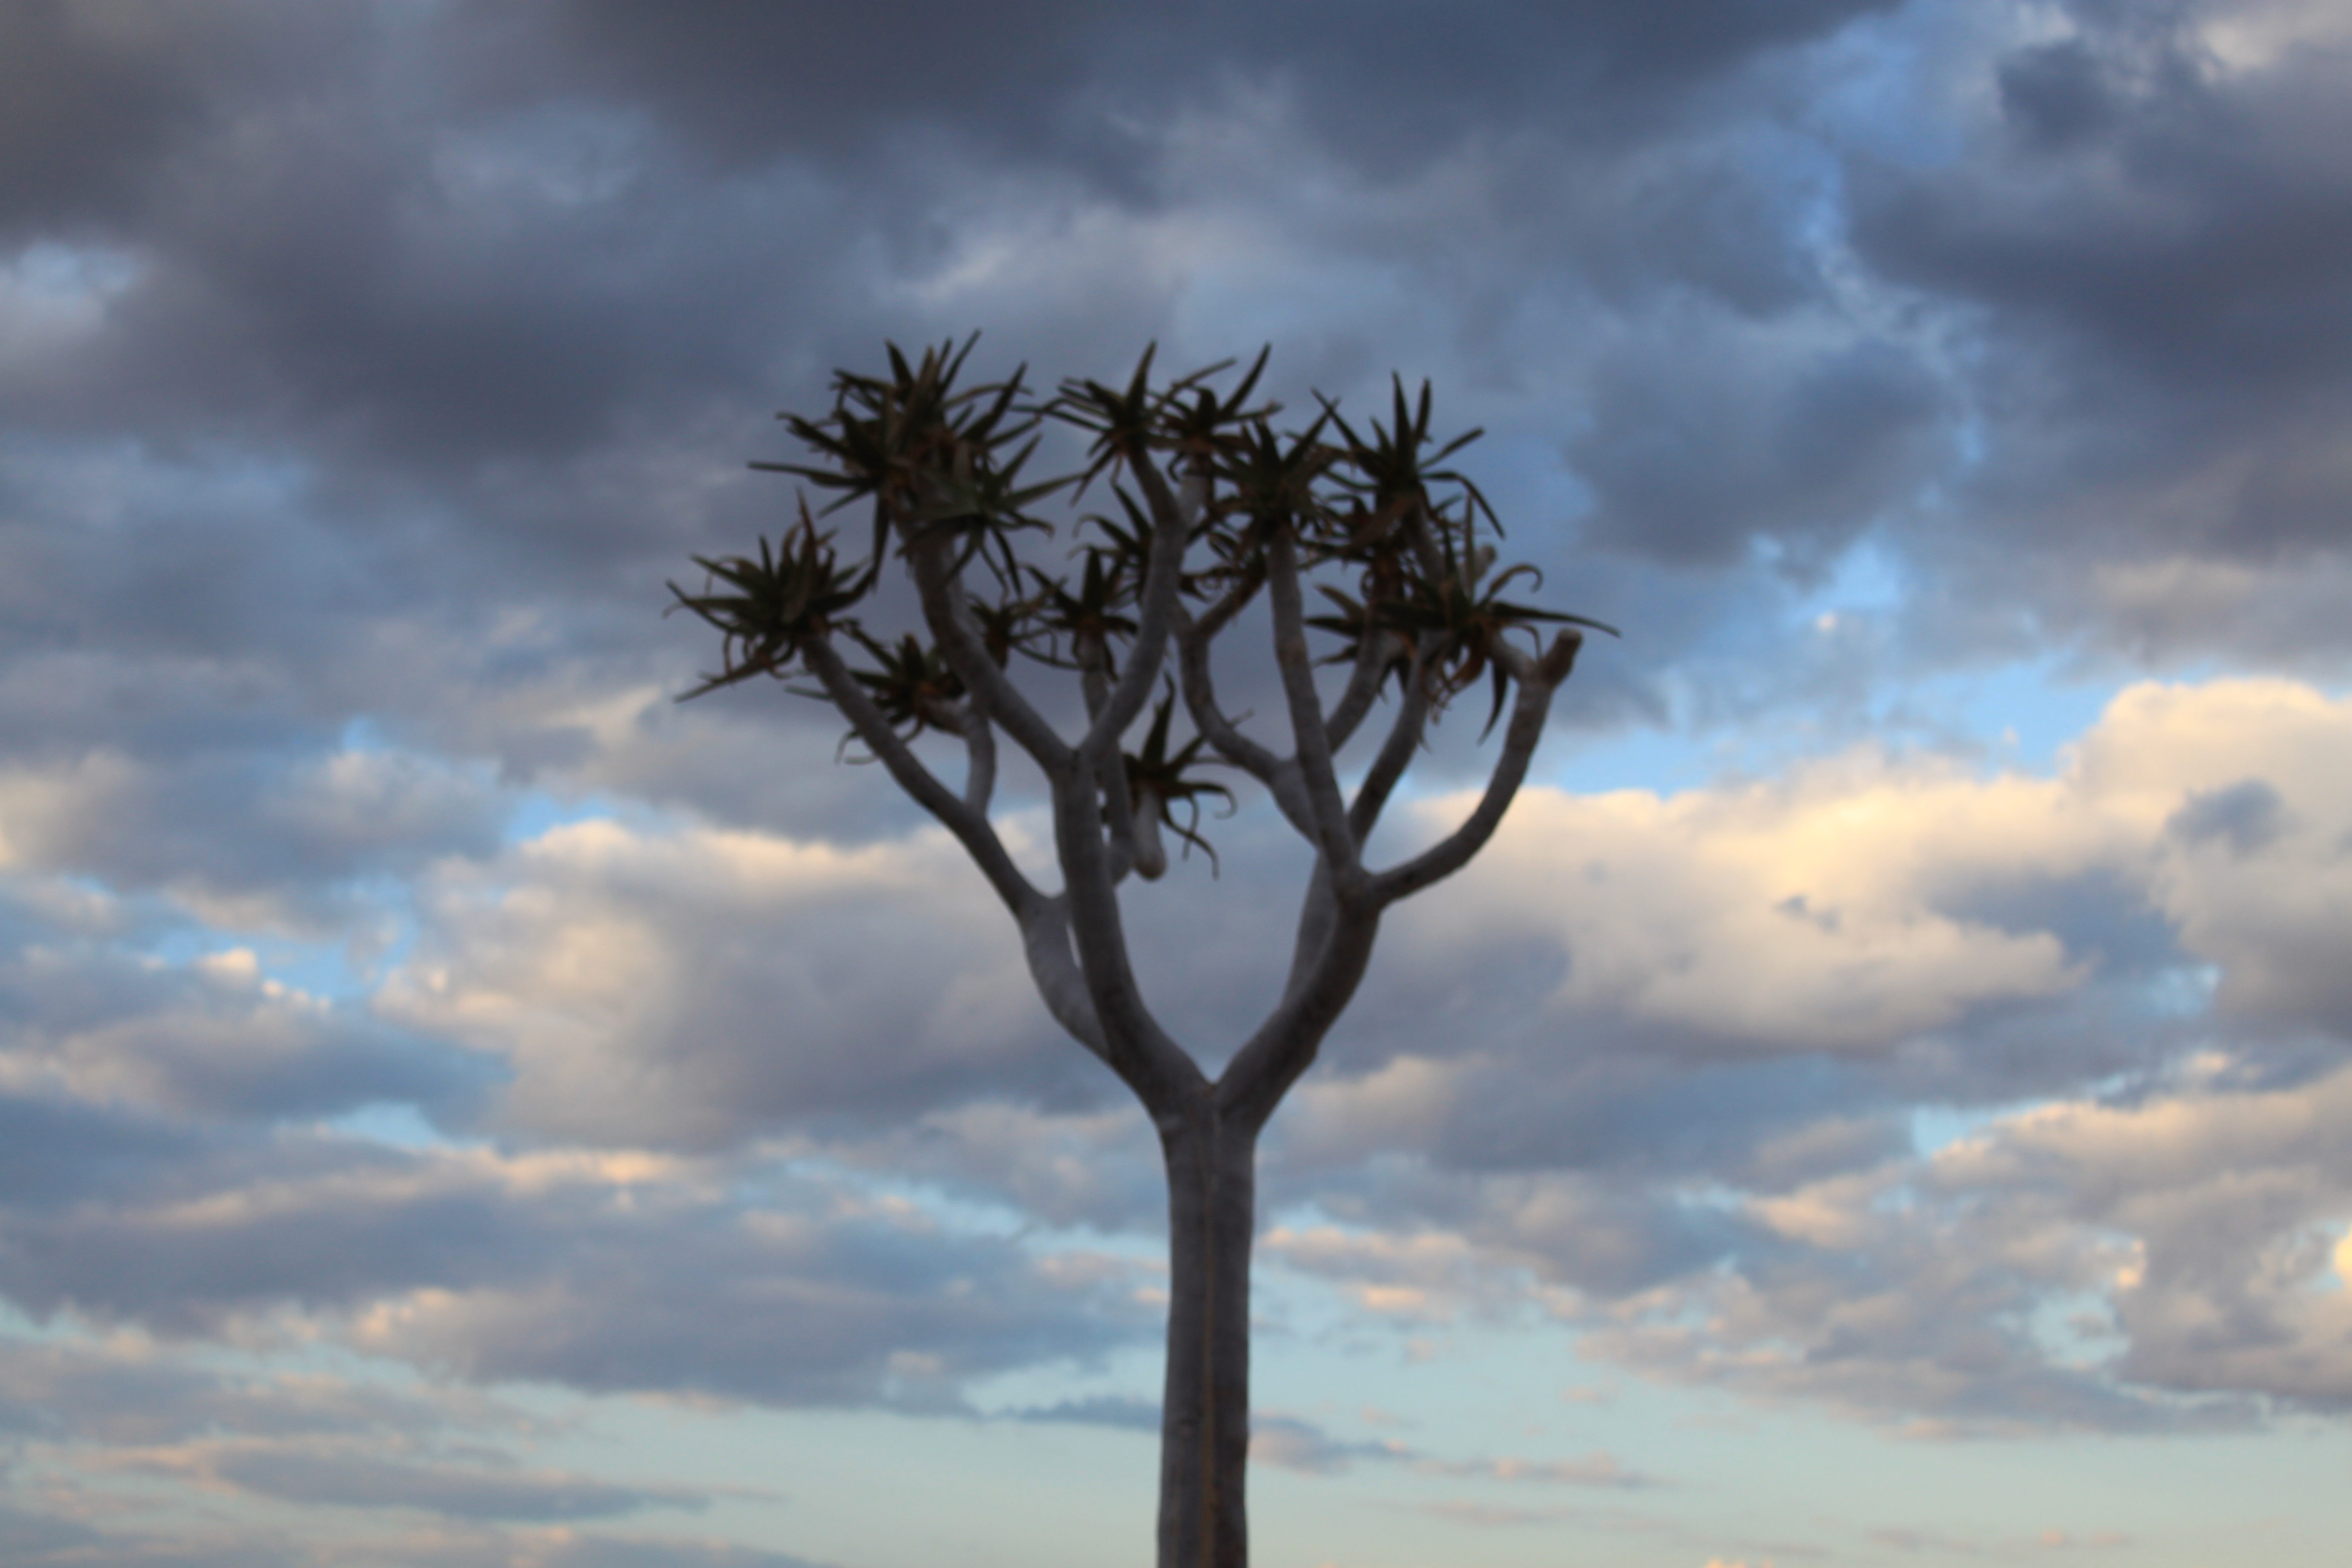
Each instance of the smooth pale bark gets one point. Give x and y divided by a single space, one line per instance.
1204 1414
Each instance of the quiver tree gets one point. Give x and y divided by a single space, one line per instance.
1215 507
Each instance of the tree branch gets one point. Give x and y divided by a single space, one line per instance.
1538 678
1363 691
1318 908
966 719
1193 643
1054 969
1314 755
980 751
1134 1045
966 651
959 815
1172 535
1280 776
1118 810
1285 1045
1395 756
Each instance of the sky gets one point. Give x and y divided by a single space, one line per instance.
1883 1098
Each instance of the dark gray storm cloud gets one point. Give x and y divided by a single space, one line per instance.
99 98
497 274
404 353
1688 468
59 1150
1046 80
2154 250
2149 203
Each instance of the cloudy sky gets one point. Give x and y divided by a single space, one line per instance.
1885 1098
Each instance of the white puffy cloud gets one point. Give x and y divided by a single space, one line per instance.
215 1038
1652 1056
1851 905
1780 917
698 987
245 841
1693 1140
2230 1203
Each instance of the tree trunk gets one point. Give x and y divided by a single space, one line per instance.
1205 1415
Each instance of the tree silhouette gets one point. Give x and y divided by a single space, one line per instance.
1215 506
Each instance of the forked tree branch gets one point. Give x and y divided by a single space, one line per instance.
958 813
1151 1064
1286 1044
949 616
1279 775
1061 984
1538 678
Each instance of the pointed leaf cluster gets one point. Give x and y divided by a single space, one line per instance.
927 456
1185 417
1388 474
766 608
914 688
1382 500
1276 482
1092 620
1464 616
1159 780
